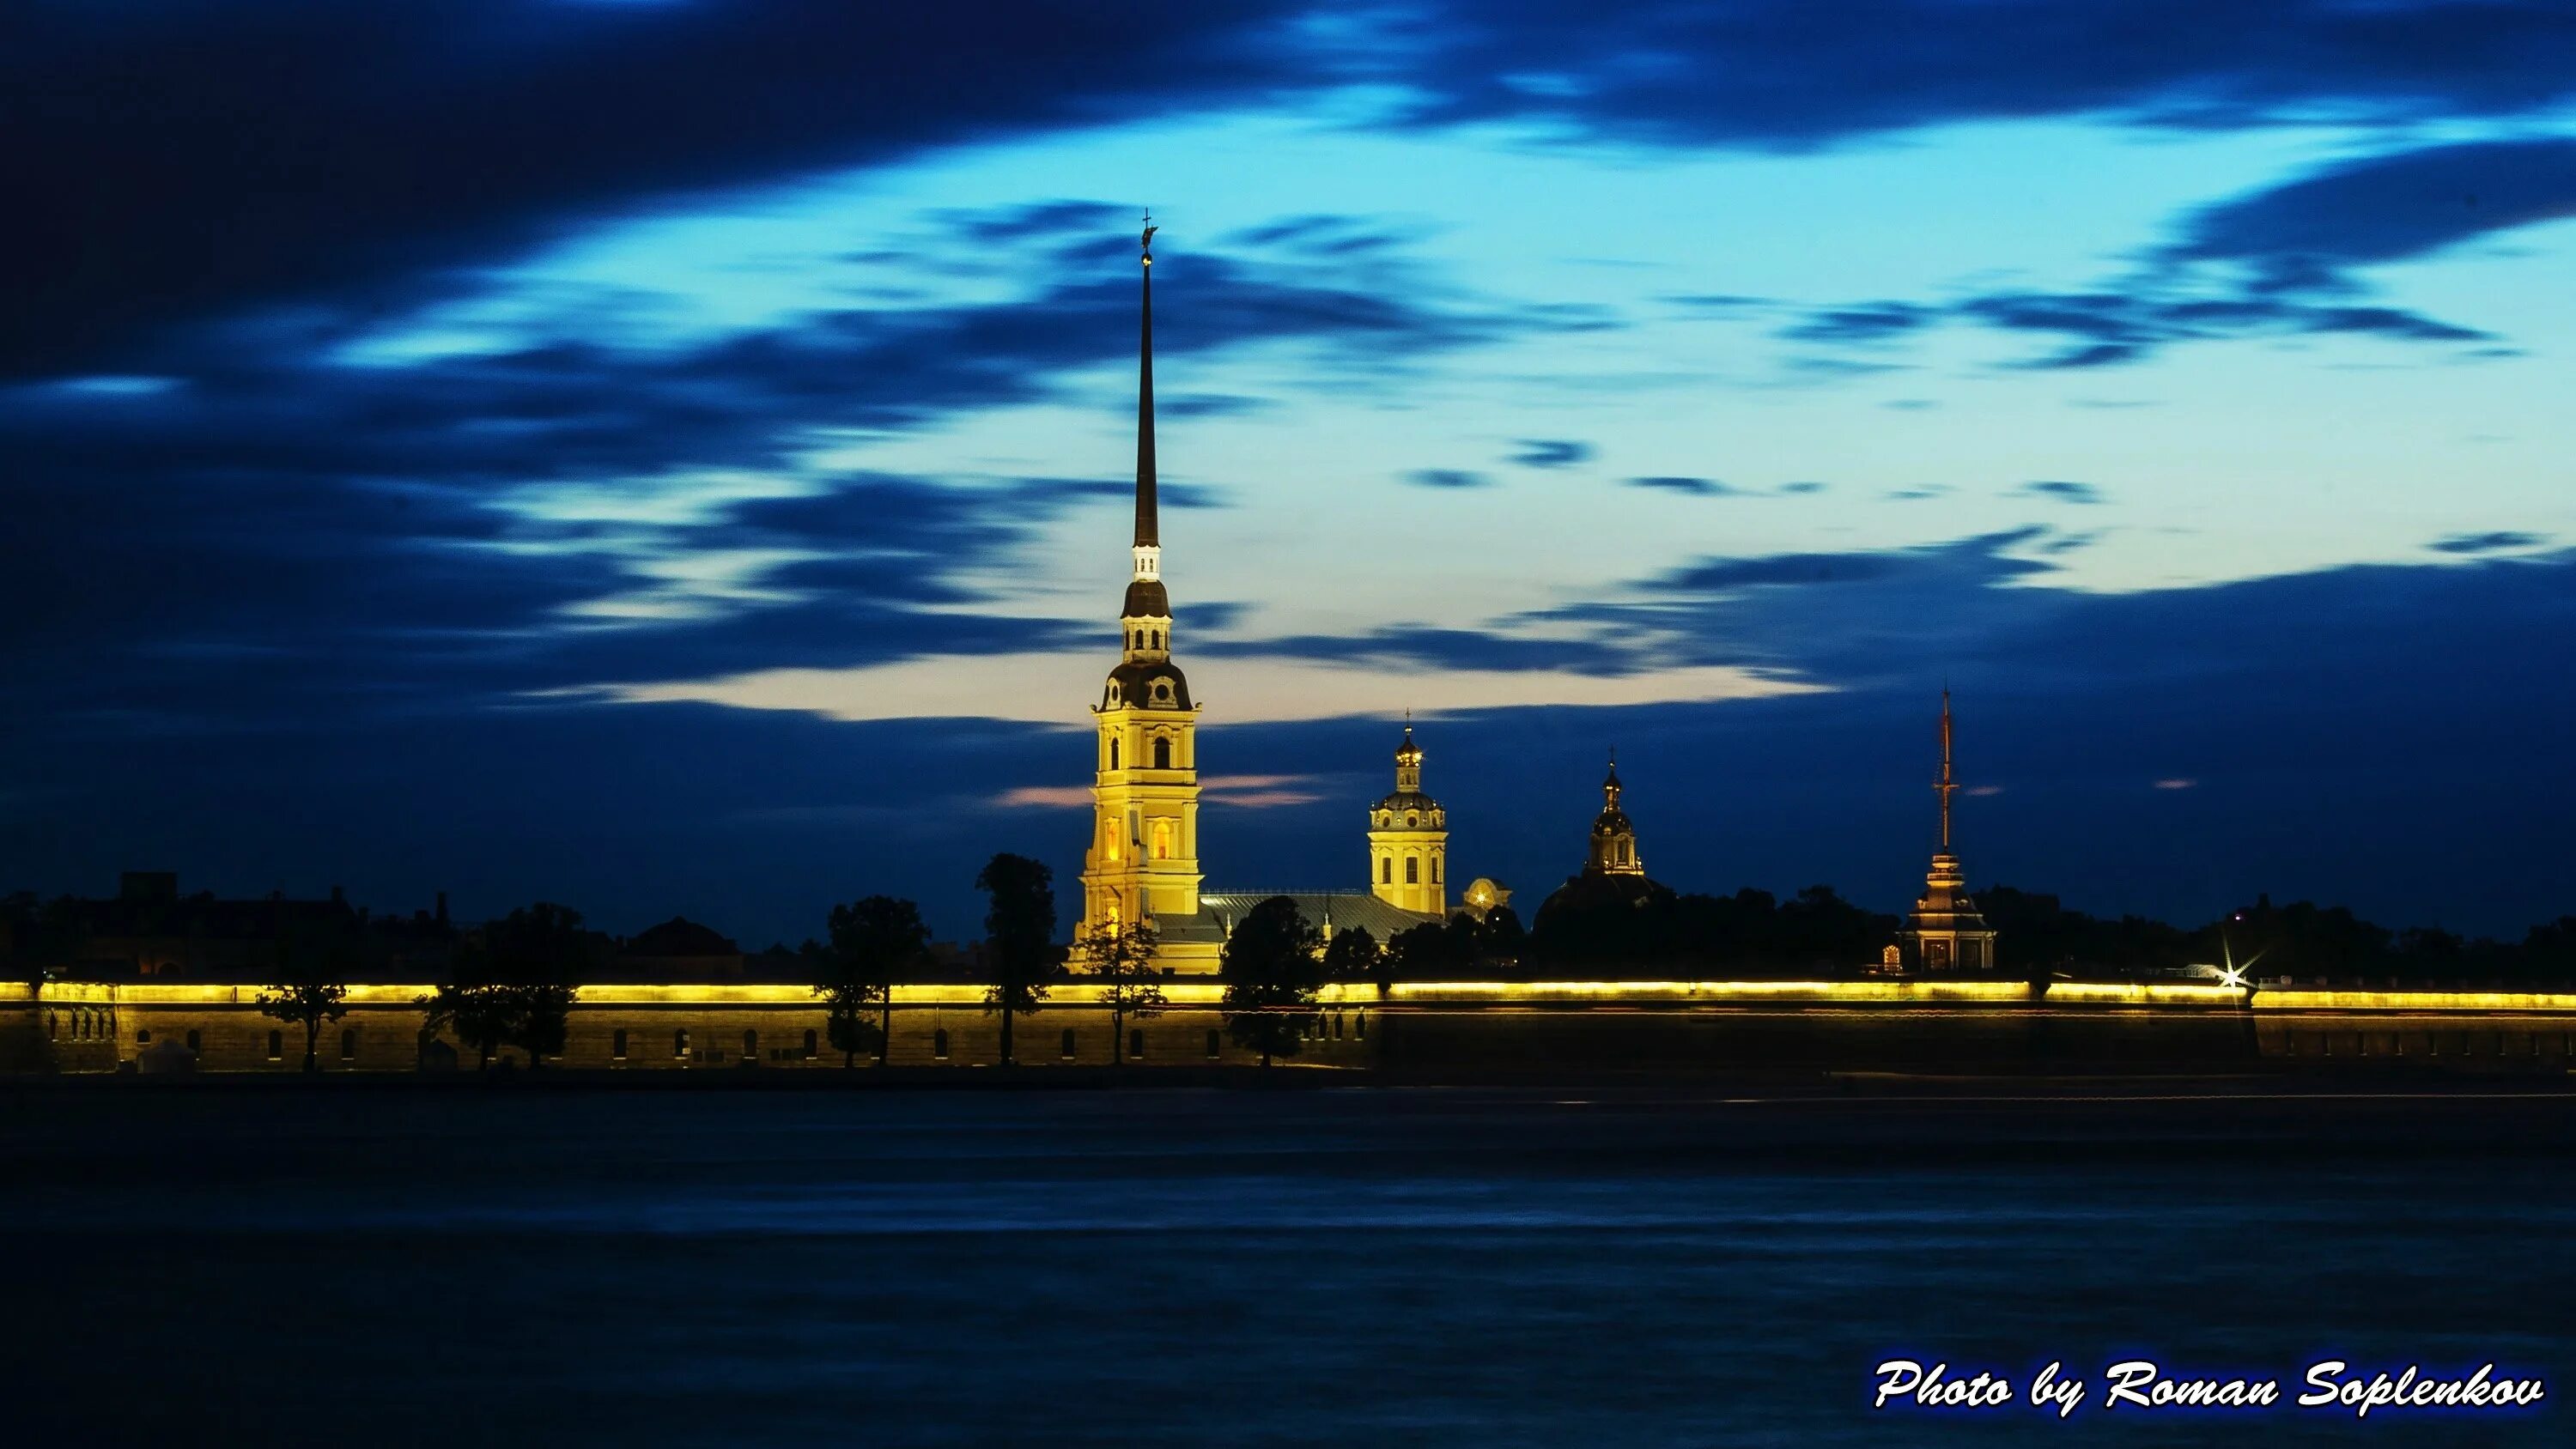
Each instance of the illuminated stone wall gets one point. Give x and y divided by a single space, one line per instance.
80 1029
1915 1027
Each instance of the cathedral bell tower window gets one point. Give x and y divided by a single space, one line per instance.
1162 751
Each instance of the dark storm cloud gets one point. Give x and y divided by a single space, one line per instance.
2276 261
1790 75
175 161
1837 617
2384 208
361 154
1551 453
389 536
2274 694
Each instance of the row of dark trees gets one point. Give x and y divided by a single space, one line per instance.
1273 964
513 981
510 983
2037 936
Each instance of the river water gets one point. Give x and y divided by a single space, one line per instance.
1215 1267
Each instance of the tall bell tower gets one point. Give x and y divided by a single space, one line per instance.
1409 840
1144 855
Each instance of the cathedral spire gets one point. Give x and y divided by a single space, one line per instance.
1147 610
1946 785
1147 532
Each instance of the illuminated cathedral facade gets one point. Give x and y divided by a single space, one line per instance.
1141 867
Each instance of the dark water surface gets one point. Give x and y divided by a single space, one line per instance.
1401 1267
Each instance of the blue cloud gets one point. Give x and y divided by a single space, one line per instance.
1551 453
1695 487
1865 322
2063 491
1447 478
2497 541
2302 235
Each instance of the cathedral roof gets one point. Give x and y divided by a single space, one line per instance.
1407 800
1133 683
1146 600
1594 890
1219 911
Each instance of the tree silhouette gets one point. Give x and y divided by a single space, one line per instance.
1271 968
1420 953
874 941
311 987
537 954
1122 961
471 1004
1019 928
1353 956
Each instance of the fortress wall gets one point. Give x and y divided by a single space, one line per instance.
665 1028
1424 1028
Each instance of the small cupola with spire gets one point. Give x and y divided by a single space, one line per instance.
1614 838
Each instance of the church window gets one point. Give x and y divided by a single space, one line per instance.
1435 870
1412 870
617 1045
1412 818
276 1046
1215 1043
1064 1047
349 1044
1386 870
1162 840
939 1044
1162 748
1359 1027
1113 754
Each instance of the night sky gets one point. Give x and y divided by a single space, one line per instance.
673 458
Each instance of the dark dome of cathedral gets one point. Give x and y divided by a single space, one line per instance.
1152 686
1612 821
1146 600
1582 895
1407 800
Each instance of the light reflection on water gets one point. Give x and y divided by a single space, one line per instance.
1192 1267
